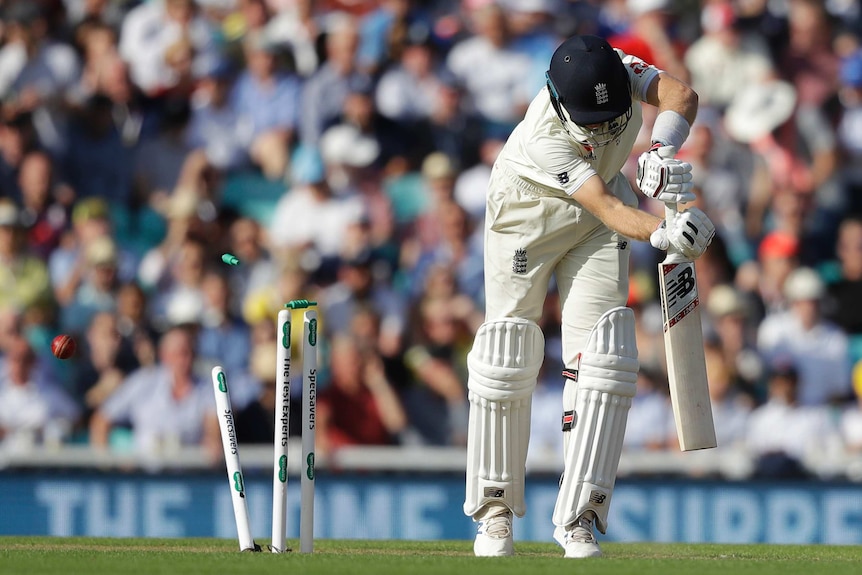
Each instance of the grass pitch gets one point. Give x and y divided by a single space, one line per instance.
102 556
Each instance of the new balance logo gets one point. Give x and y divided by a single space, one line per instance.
519 261
563 178
601 94
622 244
597 497
494 492
680 286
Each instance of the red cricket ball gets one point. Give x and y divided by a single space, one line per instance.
63 346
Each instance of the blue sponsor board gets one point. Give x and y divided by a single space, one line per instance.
421 507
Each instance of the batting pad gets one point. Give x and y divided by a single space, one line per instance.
503 366
606 377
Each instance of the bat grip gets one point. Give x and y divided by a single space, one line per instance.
670 213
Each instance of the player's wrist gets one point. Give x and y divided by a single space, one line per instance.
670 129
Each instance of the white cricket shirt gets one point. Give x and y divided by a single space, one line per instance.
542 152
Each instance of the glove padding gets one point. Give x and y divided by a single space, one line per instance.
663 177
689 232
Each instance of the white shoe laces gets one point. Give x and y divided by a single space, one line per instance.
582 530
499 526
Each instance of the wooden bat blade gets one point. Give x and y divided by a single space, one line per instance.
686 365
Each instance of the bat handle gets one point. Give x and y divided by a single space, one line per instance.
670 212
673 255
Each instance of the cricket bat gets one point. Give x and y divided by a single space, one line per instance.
683 342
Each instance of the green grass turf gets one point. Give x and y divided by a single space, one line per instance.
102 556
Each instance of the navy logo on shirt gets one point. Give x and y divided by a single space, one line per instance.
563 178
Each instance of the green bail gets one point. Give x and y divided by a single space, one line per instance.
230 259
300 303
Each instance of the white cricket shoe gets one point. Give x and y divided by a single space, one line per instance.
578 539
494 537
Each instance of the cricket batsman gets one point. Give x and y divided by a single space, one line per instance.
558 206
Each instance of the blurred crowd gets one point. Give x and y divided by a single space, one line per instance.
341 149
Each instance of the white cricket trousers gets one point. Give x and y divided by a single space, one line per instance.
533 234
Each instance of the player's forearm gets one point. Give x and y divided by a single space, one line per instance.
628 221
668 93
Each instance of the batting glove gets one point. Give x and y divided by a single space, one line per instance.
663 177
689 232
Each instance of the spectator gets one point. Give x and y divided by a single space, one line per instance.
37 74
721 170
650 416
501 93
436 357
217 135
441 284
44 203
842 308
777 256
320 237
23 278
97 42
458 247
179 299
381 32
650 421
730 322
325 91
397 152
352 158
453 128
297 26
91 221
222 338
159 161
535 27
471 186
255 421
754 115
98 289
256 269
266 99
150 29
817 348
133 323
438 190
34 408
731 407
135 115
17 138
184 238
725 57
849 129
98 163
106 359
648 36
356 287
261 306
795 151
167 405
786 439
807 58
408 87
359 405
